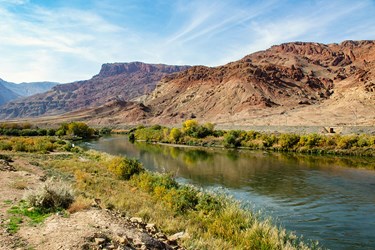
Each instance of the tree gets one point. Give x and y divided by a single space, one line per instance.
190 127
175 135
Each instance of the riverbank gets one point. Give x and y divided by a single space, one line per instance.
201 220
194 134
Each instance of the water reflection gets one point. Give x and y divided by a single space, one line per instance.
319 197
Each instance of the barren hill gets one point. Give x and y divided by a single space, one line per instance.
293 79
116 81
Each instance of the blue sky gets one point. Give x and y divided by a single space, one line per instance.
68 40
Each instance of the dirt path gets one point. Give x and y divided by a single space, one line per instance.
94 228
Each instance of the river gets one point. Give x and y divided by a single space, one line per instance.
329 199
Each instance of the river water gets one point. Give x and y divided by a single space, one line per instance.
329 199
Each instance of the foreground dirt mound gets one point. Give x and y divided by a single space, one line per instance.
94 229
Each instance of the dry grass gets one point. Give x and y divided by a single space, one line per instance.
80 203
20 184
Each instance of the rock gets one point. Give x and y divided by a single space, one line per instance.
122 240
160 236
173 238
150 227
136 220
138 242
99 241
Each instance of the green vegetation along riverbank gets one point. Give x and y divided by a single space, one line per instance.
209 221
195 134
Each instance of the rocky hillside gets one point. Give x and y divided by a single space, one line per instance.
29 88
11 91
282 79
6 94
117 81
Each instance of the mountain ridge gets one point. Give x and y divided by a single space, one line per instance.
123 81
298 82
11 91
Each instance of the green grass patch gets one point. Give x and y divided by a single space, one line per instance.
22 210
14 224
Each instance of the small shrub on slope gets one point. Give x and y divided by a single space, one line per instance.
52 195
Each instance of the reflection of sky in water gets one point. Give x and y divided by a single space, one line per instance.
315 196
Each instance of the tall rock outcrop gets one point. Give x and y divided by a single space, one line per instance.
116 81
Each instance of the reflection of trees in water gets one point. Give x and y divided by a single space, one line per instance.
193 156
328 161
233 155
275 174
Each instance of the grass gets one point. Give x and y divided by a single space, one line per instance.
22 210
20 184
80 203
14 224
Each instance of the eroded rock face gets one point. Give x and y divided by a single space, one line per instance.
287 75
117 81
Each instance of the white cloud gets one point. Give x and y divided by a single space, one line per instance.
70 43
40 43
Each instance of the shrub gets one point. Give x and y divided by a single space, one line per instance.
6 158
232 138
51 132
149 134
183 199
190 127
347 142
105 131
6 145
150 182
288 141
175 135
52 195
269 140
311 140
125 167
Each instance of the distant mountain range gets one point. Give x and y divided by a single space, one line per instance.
292 83
115 81
11 91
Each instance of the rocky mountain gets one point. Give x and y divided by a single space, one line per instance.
115 81
282 79
6 94
10 91
29 88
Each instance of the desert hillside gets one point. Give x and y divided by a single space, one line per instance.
116 81
296 79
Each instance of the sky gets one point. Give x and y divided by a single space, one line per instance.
69 40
